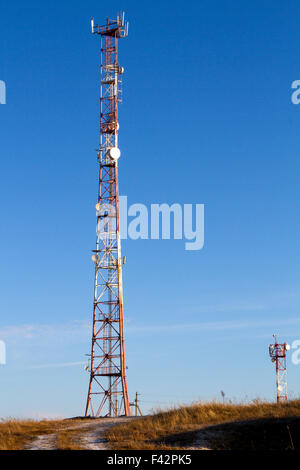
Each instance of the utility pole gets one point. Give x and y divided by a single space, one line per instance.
277 353
108 393
136 405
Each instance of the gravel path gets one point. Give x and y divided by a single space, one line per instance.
95 439
90 437
45 442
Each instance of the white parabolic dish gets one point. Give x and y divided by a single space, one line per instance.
114 153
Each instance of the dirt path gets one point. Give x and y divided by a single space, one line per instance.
45 442
91 435
95 439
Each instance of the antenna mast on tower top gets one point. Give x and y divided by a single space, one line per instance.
108 393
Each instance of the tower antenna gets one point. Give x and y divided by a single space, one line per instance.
108 393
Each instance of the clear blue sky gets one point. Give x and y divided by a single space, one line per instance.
207 118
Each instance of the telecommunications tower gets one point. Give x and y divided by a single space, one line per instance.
278 355
108 393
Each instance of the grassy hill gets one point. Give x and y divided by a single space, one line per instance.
216 426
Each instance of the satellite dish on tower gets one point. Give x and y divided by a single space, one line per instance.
114 153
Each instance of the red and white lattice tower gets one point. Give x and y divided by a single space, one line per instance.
278 355
108 393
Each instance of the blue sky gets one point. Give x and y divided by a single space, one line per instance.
207 118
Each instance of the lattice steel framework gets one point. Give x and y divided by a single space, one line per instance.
108 393
278 355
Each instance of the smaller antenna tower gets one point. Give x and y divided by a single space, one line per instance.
278 355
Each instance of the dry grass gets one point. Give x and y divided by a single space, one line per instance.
256 426
15 434
263 434
69 440
179 427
